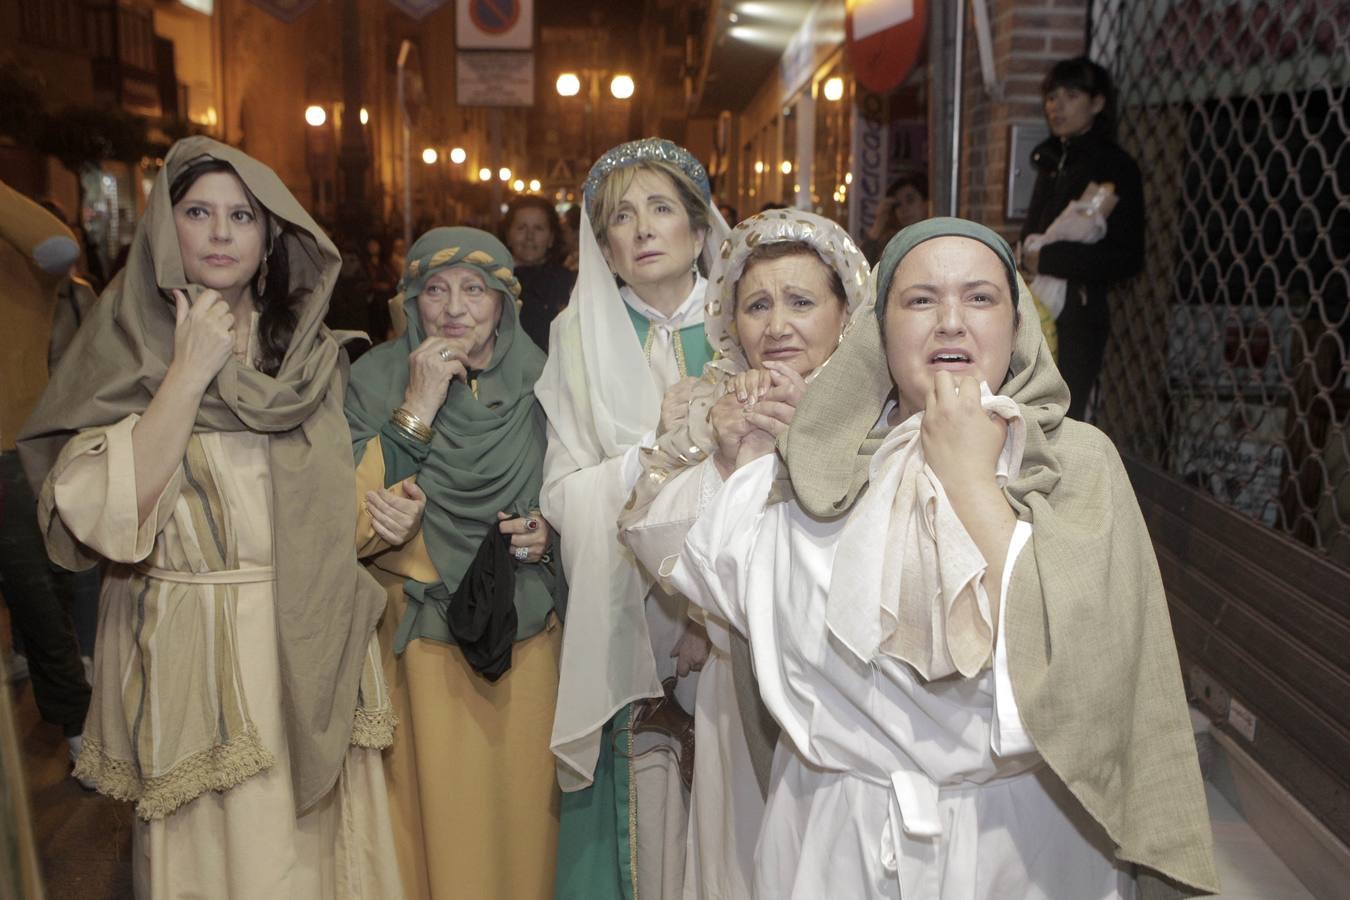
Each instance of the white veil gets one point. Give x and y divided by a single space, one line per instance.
601 399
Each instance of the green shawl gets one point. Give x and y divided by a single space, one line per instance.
486 452
327 604
1093 661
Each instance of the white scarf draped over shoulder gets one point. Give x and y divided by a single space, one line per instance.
908 578
601 398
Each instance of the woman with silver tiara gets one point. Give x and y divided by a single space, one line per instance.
634 328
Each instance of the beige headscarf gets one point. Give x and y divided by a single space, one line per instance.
1093 661
327 604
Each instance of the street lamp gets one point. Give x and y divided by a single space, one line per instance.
518 185
315 115
786 167
429 156
504 173
485 174
621 86
365 116
834 89
568 84
457 156
535 185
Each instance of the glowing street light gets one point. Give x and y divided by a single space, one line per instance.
429 156
518 185
786 167
457 156
365 116
568 84
834 89
315 115
622 87
485 174
759 167
535 185
504 173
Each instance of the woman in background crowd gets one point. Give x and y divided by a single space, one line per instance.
1080 107
531 231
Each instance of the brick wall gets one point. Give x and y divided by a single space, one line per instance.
1028 37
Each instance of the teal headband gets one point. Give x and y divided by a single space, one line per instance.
943 226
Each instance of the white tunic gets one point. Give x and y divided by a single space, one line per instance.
883 786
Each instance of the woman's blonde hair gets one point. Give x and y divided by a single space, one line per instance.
610 192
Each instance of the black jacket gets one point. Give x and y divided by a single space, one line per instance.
1064 169
544 292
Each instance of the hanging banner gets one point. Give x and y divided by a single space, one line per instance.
885 40
494 24
285 10
418 9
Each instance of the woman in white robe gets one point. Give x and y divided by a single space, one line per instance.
897 646
783 289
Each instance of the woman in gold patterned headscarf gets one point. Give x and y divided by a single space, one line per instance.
781 294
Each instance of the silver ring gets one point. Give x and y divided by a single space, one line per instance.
521 553
447 354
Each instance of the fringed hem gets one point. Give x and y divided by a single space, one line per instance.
373 729
217 768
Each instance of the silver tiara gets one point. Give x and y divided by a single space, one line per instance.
645 150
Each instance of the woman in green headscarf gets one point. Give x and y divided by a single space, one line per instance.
449 444
192 442
972 662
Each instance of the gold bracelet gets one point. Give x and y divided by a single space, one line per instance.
411 425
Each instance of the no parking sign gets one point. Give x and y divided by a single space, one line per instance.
494 24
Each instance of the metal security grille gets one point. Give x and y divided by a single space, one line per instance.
1228 361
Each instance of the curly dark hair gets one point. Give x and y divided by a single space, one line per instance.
277 317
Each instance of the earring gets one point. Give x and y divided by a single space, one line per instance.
261 285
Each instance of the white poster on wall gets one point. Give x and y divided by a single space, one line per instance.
494 24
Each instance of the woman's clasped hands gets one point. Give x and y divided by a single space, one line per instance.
756 410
